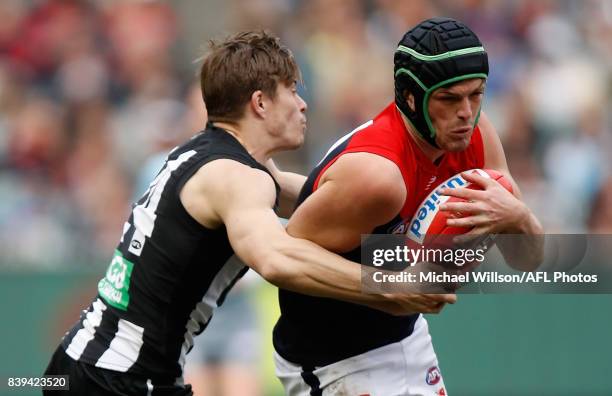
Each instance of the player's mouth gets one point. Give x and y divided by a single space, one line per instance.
461 131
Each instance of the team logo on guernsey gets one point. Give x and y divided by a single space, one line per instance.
430 182
433 375
114 287
425 213
417 227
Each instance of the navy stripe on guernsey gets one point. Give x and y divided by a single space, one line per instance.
315 331
179 272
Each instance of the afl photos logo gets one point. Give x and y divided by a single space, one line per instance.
433 376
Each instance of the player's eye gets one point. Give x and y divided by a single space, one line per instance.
476 95
448 98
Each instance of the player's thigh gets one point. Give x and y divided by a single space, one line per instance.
422 368
291 376
406 368
377 372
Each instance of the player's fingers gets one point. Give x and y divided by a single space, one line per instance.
450 298
469 221
470 207
415 302
465 193
475 177
424 304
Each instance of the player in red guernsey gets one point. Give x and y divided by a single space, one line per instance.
371 181
386 136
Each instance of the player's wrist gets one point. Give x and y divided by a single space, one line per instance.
522 221
528 223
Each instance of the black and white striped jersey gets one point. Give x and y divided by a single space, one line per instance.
166 276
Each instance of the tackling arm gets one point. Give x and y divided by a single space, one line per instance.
225 192
291 185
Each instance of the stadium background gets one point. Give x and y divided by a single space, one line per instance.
90 90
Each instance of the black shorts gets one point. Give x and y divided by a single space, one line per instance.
85 379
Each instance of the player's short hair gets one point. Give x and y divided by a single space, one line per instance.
240 65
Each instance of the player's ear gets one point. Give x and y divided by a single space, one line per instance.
257 103
409 100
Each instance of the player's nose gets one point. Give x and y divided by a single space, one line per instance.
303 106
465 111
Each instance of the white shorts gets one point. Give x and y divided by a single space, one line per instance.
407 368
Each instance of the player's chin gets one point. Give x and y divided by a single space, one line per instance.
291 138
455 145
299 140
296 141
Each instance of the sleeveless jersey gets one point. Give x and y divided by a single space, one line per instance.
315 332
167 275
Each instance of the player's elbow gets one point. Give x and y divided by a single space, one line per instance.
269 262
273 274
285 262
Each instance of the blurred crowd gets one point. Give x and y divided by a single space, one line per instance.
93 92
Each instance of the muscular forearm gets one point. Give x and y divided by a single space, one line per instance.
301 266
320 273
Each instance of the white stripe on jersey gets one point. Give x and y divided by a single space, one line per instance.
123 350
344 138
144 214
203 310
126 227
82 337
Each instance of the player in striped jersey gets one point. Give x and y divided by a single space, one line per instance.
212 198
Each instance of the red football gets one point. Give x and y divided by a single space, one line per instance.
428 225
